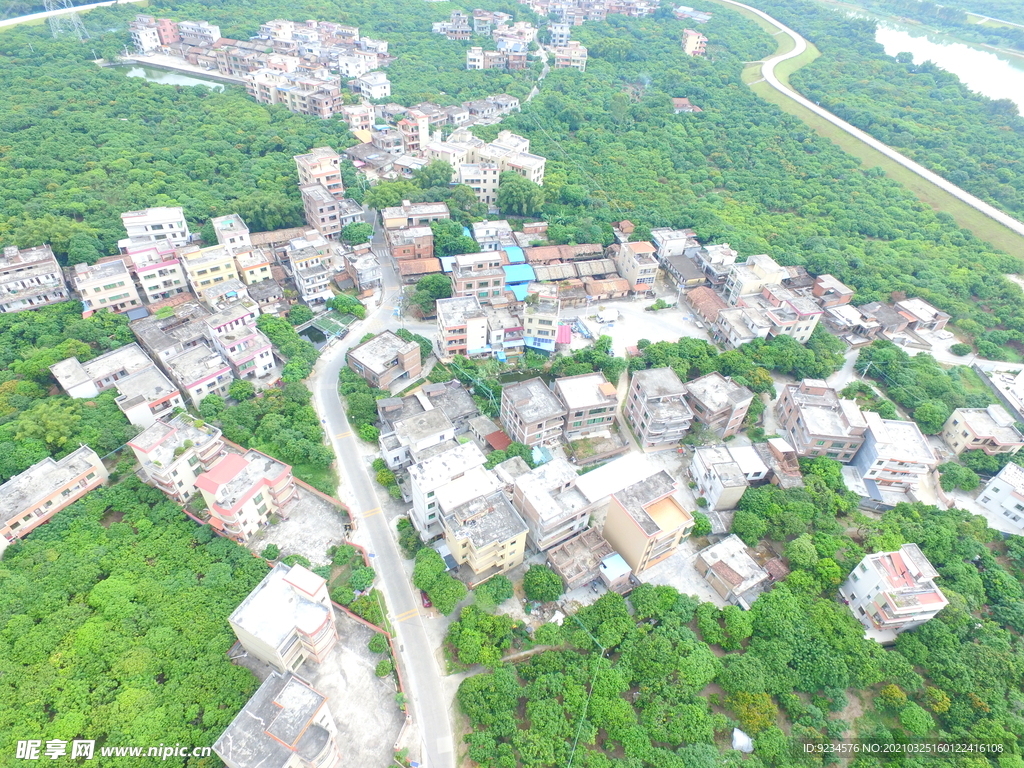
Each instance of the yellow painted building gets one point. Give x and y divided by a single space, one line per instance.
205 267
645 523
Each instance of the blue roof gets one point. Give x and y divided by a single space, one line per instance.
519 273
447 262
515 254
466 232
519 291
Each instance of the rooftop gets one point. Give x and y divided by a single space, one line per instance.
614 476
532 401
71 373
378 353
24 491
579 555
276 723
551 488
412 430
162 438
730 473
650 504
992 422
900 440
452 398
234 477
282 603
717 393
659 382
907 577
106 270
731 561
588 390
823 412
148 385
484 520
196 364
441 469
1013 475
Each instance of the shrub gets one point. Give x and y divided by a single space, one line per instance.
271 552
702 502
542 584
298 560
960 349
368 433
385 477
384 668
378 643
343 553
701 525
394 491
493 592
362 578
343 595
379 464
408 538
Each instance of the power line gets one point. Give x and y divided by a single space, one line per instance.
65 20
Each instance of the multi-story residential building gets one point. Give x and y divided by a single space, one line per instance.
485 22
231 231
206 267
322 165
530 412
895 453
831 292
735 326
636 263
322 210
656 408
145 396
166 337
86 380
225 294
30 278
254 266
429 476
891 592
485 532
559 34
154 226
173 452
200 33
414 215
572 55
461 326
107 285
579 560
242 492
731 571
480 275
287 723
149 33
645 523
718 403
590 402
235 336
157 271
522 31
992 430
508 151
416 438
316 93
715 261
364 269
456 28
411 242
784 312
694 43
723 472
553 508
200 371
504 333
482 178
540 321
752 276
817 422
31 498
287 619
386 359
372 85
493 235
311 272
1003 496
360 117
673 242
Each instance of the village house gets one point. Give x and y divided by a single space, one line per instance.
730 570
385 359
590 403
820 423
656 408
172 452
645 523
718 403
30 278
530 412
242 492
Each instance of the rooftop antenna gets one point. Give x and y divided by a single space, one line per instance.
65 20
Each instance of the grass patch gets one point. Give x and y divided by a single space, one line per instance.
324 480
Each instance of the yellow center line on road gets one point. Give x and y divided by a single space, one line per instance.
407 615
372 512
342 434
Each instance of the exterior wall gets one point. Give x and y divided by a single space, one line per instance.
161 281
211 271
1004 496
960 436
710 486
501 555
116 293
652 432
638 549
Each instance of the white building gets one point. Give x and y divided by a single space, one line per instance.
172 453
86 380
723 473
895 454
154 225
430 476
891 592
1003 495
30 278
105 286
372 85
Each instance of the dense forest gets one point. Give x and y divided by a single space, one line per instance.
112 627
665 683
915 107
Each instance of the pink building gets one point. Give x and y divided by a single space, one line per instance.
242 492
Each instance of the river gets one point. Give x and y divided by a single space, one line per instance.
996 75
165 77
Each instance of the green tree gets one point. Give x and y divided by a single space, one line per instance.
519 196
388 194
542 584
241 389
931 415
300 314
450 240
211 407
436 173
357 232
916 720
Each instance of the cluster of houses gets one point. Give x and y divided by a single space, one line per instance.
297 64
575 12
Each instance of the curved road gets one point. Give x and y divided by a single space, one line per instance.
59 12
799 46
426 699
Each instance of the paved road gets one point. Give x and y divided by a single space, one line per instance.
48 14
423 682
540 79
800 45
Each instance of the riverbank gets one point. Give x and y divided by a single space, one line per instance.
928 192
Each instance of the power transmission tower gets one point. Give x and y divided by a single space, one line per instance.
67 23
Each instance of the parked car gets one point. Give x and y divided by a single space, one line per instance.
426 600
